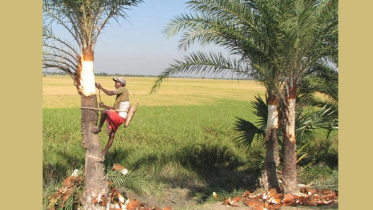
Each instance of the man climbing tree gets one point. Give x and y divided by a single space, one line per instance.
84 21
115 115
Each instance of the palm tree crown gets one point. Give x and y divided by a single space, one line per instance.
84 20
241 27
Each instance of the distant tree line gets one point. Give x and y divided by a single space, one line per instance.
62 73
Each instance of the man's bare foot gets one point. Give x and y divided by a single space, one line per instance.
96 130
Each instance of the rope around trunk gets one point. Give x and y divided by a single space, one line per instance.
98 159
100 109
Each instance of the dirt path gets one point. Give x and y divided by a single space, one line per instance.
219 206
178 199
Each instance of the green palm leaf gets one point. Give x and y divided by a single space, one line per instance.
261 110
247 130
135 181
203 63
324 119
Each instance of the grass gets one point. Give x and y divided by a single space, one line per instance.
181 137
162 141
59 91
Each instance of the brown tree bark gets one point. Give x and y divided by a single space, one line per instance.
289 172
269 175
95 180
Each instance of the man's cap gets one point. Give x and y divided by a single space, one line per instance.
121 80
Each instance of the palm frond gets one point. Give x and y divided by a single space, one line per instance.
69 204
320 78
235 25
62 12
310 36
248 29
203 63
261 110
61 67
107 10
135 181
325 78
49 36
243 14
210 29
247 132
84 20
324 118
59 54
319 176
60 62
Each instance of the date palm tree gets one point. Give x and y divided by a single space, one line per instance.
274 42
310 36
321 78
249 31
84 20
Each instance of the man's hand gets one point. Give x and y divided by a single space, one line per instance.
107 92
102 104
98 85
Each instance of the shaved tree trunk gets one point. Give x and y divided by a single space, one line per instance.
95 180
269 175
289 173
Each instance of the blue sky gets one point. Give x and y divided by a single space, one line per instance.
137 45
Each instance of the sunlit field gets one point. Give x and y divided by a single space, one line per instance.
183 137
59 91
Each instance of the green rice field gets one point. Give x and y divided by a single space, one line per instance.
181 138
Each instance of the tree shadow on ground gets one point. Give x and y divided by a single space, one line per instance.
61 169
70 161
216 166
114 155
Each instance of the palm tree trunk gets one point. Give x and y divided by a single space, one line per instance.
289 173
272 153
95 180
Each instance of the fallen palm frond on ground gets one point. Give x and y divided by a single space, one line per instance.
274 200
69 195
64 197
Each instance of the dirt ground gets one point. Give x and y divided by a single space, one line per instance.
179 199
219 206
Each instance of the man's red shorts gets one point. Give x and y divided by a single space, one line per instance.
113 121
